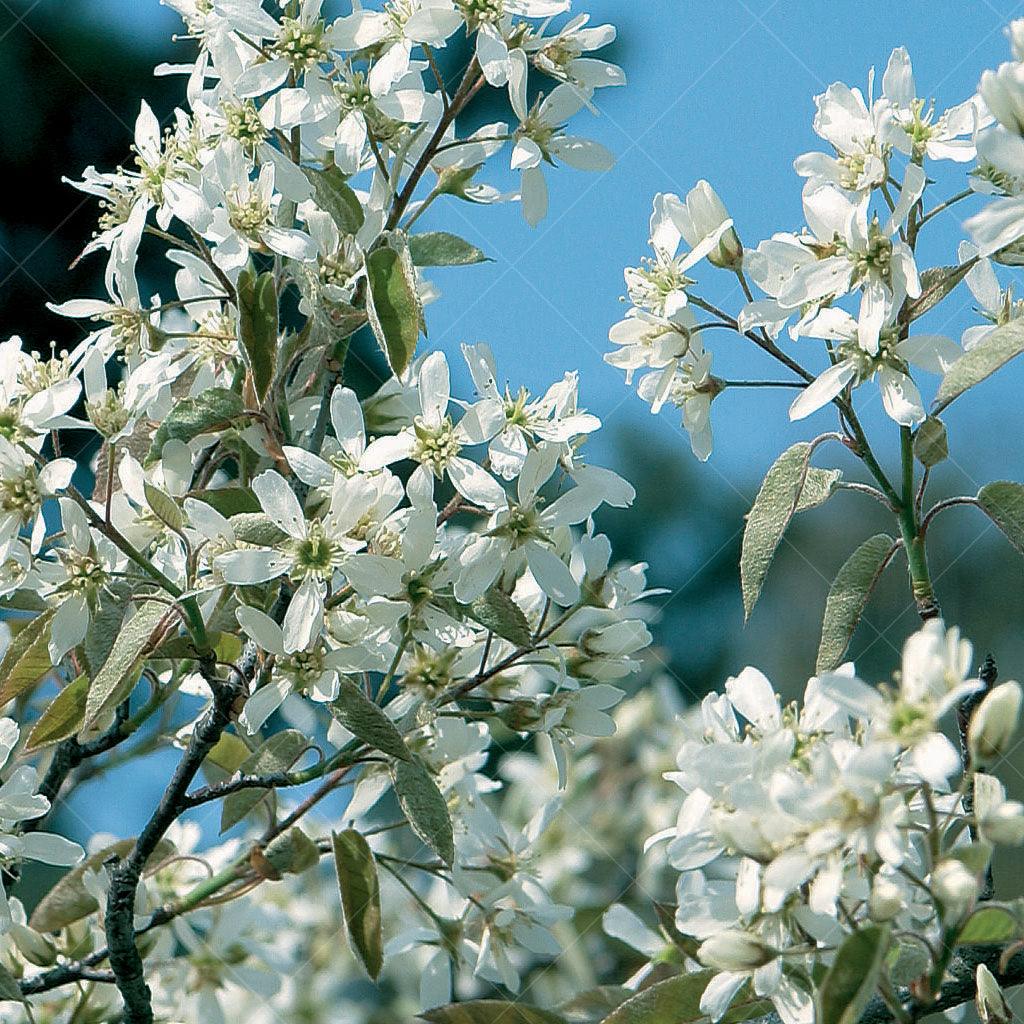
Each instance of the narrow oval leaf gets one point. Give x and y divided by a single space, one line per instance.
164 507
256 528
677 1001
936 284
818 487
441 249
228 501
10 990
424 807
774 506
27 658
69 900
993 351
503 617
490 1011
334 196
64 716
1003 502
931 445
360 898
258 327
853 976
989 924
393 307
367 722
120 672
592 1006
215 409
277 754
847 597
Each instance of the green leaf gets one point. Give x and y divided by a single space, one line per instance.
69 900
104 627
774 506
592 1006
673 1001
277 754
64 716
367 722
258 327
10 990
424 807
333 195
120 672
847 597
228 501
1003 503
819 486
441 249
990 924
229 753
490 1011
291 853
360 898
27 658
936 284
393 306
931 445
215 409
993 351
853 976
502 616
164 507
256 528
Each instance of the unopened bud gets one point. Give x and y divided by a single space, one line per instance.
1004 824
956 888
734 950
989 998
885 901
994 723
35 948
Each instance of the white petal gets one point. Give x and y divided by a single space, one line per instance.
552 575
278 500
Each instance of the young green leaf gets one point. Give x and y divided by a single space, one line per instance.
424 807
936 284
990 924
256 528
258 327
393 306
360 898
228 501
818 487
27 658
853 976
993 351
10 990
333 195
277 754
367 722
1003 502
69 900
931 445
441 249
594 1005
120 672
490 1011
847 597
164 507
502 616
63 717
214 409
776 502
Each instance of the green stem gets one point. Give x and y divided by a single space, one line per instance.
913 535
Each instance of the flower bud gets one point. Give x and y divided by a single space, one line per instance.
885 901
1003 93
989 998
1015 33
35 948
703 216
1004 824
994 723
956 888
734 950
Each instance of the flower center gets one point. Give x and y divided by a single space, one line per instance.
435 447
243 123
301 45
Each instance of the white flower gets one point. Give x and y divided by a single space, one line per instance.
435 441
540 138
561 55
994 724
854 366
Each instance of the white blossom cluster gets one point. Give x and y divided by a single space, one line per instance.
802 823
852 277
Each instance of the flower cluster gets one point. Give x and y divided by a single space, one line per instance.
852 276
805 823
